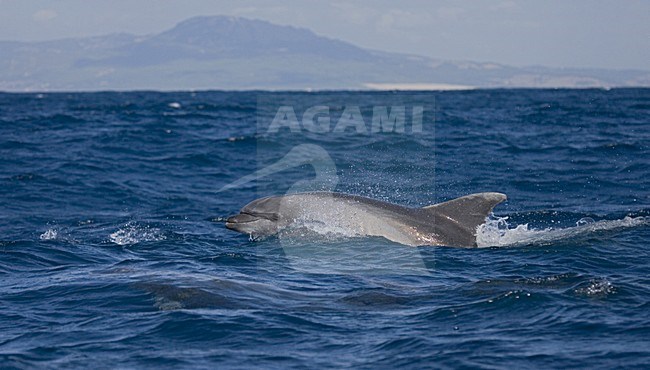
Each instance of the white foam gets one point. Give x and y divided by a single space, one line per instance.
597 287
132 233
50 234
497 232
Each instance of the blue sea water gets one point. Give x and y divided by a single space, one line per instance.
114 254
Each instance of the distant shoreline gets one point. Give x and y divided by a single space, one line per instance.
385 87
417 86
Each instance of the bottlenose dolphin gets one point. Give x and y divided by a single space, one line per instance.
452 223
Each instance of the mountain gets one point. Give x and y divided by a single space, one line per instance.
236 53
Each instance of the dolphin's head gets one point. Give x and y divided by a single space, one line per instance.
255 224
258 218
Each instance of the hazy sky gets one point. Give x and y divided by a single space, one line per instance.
595 33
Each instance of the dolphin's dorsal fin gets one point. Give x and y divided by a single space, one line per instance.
469 211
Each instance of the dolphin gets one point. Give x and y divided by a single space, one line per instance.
452 223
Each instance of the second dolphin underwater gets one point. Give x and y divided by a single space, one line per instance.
451 223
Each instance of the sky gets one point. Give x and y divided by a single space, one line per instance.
553 33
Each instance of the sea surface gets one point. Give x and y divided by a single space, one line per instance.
114 251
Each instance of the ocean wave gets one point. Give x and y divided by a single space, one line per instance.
108 252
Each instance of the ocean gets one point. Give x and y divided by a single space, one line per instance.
114 251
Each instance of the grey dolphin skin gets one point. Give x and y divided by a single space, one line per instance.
452 223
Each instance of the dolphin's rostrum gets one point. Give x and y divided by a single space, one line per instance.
452 223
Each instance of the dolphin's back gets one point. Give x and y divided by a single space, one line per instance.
452 223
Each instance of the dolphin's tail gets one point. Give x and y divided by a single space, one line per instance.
468 212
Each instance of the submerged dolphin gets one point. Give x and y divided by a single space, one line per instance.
452 223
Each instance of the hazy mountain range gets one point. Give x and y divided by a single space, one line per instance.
236 53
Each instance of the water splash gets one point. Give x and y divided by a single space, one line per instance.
50 234
132 233
597 288
497 232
